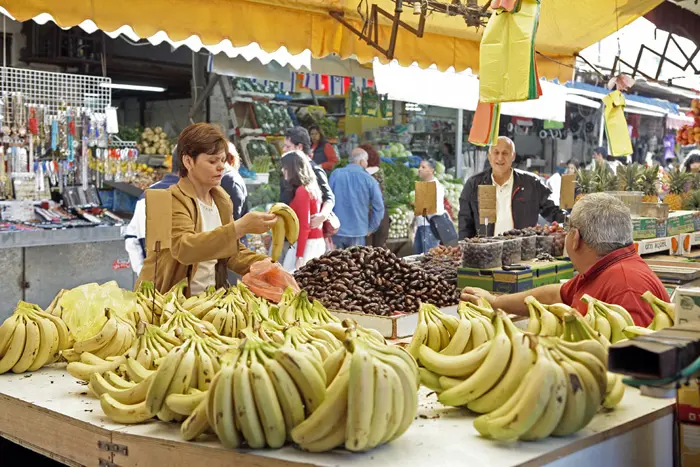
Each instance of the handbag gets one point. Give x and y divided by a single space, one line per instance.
331 225
443 229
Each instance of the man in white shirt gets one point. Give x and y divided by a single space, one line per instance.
424 239
521 197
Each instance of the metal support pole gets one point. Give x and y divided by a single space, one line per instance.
601 132
459 137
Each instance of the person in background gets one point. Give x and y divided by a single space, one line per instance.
296 169
572 167
692 162
233 183
447 155
298 139
135 233
521 197
322 151
205 240
599 243
425 239
359 204
379 237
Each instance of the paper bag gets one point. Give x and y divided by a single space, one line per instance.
507 70
616 125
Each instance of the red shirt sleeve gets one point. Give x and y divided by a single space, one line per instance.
301 205
331 157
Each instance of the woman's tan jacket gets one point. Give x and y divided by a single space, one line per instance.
190 246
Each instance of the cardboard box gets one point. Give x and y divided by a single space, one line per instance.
687 300
643 228
689 445
470 277
680 222
512 281
565 271
544 274
688 401
658 355
656 245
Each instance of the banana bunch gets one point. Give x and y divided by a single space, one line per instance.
544 320
179 318
151 345
260 396
88 363
558 395
664 313
609 320
171 392
311 339
30 339
286 227
372 400
200 305
614 392
115 338
297 307
149 303
227 316
449 335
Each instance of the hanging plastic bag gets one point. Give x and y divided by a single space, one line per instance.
269 280
507 69
616 125
487 119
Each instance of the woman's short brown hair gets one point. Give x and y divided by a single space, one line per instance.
373 158
200 138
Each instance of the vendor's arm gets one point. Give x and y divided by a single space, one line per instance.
515 303
548 208
327 196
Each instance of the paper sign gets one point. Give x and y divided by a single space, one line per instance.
567 195
159 219
426 198
487 204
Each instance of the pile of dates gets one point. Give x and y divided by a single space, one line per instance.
373 281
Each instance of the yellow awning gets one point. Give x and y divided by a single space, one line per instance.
566 27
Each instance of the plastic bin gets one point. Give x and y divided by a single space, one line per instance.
528 248
512 251
544 244
482 253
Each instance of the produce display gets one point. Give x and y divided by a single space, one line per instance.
272 118
678 182
372 280
262 164
249 85
527 387
397 180
441 266
512 251
154 141
690 134
401 220
481 253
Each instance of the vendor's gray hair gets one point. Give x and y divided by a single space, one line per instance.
358 155
603 221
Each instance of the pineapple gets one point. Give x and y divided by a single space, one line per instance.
678 181
605 179
629 177
649 184
692 201
585 182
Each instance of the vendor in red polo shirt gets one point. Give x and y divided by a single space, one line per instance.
600 246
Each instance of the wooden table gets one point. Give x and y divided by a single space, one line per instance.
51 413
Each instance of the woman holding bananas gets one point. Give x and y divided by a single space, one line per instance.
297 171
205 238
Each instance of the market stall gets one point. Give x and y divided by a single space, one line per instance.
52 414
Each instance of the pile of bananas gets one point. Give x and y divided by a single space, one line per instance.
286 228
371 400
451 336
152 344
30 339
115 338
170 392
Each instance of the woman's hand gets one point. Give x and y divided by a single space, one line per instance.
473 294
255 223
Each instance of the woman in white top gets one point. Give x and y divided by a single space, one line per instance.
425 239
205 240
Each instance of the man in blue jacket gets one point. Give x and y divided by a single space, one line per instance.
358 201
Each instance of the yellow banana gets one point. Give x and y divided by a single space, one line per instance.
459 339
48 344
310 382
31 347
124 413
185 404
16 346
268 404
290 221
458 366
100 339
382 396
82 371
246 415
290 400
136 372
196 424
555 407
615 391
360 400
158 390
6 331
